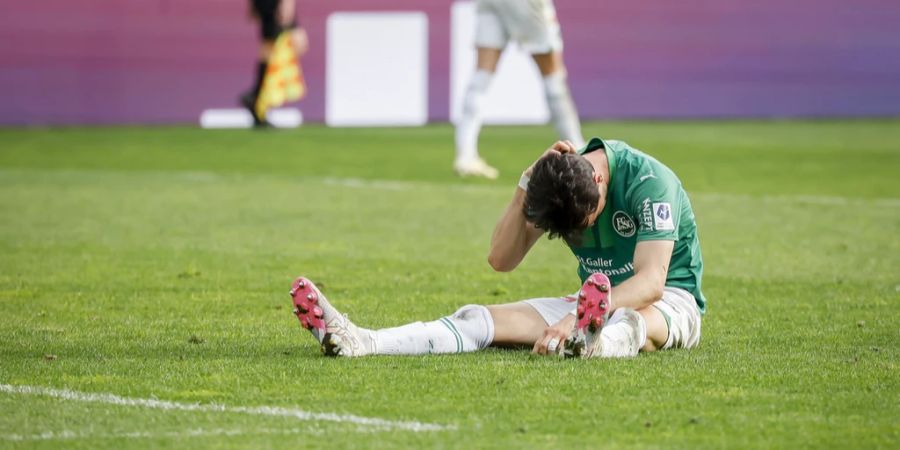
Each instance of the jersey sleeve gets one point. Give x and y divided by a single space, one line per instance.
653 201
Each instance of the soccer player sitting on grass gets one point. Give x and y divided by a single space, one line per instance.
629 223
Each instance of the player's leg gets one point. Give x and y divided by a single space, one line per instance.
519 323
592 317
596 333
490 39
540 35
335 333
672 322
470 328
656 329
475 327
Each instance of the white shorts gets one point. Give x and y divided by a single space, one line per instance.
531 23
677 306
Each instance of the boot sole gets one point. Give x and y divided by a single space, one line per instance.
593 303
306 305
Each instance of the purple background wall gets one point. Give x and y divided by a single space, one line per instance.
163 61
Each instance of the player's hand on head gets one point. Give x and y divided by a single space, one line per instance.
565 146
554 338
558 147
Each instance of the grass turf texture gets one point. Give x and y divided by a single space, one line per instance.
155 262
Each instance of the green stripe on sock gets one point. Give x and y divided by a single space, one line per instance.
459 341
449 326
447 323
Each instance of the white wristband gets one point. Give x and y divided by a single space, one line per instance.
523 182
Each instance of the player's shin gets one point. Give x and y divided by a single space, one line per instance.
469 329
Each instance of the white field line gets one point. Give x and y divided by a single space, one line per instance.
197 432
299 414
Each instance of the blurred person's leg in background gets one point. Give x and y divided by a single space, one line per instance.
490 40
541 36
559 99
534 26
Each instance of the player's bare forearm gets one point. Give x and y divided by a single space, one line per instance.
513 236
638 292
651 267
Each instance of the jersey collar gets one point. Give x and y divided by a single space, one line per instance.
597 143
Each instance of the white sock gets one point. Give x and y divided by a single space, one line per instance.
562 108
469 124
469 329
618 333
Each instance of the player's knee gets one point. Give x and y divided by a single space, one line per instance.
472 312
475 324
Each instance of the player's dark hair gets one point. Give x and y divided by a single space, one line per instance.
561 195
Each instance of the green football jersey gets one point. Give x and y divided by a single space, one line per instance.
645 202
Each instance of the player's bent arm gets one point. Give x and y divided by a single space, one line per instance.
651 266
513 236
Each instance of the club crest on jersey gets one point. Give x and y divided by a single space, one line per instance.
623 224
662 216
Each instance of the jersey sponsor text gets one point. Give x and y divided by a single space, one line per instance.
624 270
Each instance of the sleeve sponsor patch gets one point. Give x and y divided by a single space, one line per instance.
662 217
646 215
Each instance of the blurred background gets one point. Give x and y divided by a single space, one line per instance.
74 62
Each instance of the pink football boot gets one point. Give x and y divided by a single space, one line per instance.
336 334
307 308
591 315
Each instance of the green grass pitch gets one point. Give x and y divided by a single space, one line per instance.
154 263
